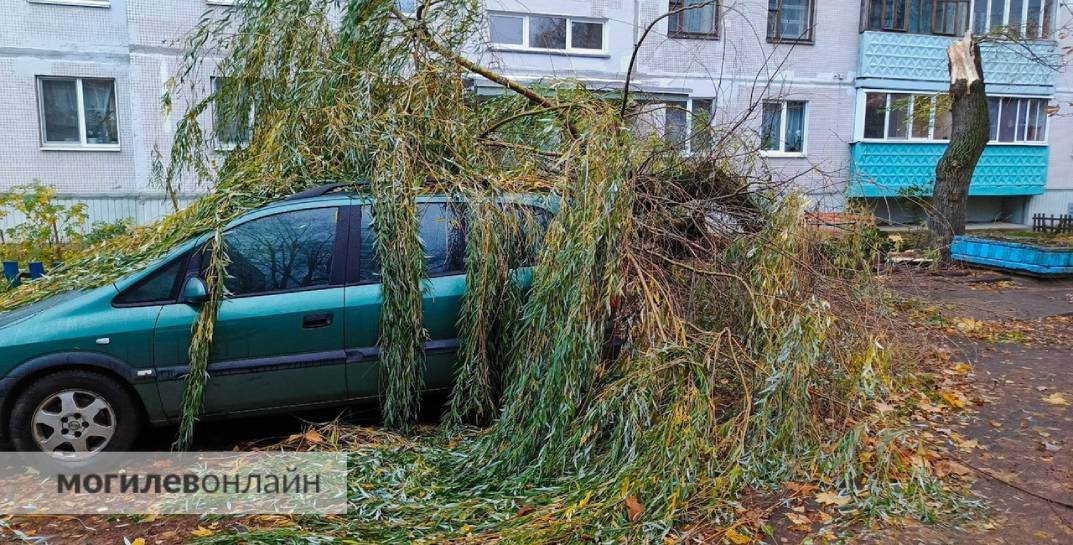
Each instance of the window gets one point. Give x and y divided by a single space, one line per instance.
782 128
903 116
89 3
442 236
1015 119
159 287
228 131
688 124
78 113
943 17
789 21
546 33
693 19
407 7
283 252
1029 19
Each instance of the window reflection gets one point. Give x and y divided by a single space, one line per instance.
288 251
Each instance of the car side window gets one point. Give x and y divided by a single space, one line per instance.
532 225
442 236
282 252
158 287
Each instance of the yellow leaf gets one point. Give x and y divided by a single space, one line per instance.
799 520
1057 399
832 498
139 541
584 501
968 325
954 399
313 436
202 532
962 368
737 538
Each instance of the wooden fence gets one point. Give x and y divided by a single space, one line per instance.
1044 223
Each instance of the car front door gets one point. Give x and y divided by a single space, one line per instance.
278 339
442 237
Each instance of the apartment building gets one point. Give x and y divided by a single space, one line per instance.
841 96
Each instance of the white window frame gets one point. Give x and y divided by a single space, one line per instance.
910 117
862 104
782 129
691 113
1024 16
407 14
524 47
81 145
80 3
221 2
1017 119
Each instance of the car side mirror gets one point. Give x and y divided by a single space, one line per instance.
195 292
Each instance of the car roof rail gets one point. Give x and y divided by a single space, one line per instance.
319 191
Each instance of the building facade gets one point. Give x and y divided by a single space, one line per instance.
843 98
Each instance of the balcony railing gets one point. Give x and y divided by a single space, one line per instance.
903 169
896 61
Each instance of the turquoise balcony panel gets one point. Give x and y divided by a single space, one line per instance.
917 62
885 169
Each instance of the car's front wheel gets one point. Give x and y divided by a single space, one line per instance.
75 411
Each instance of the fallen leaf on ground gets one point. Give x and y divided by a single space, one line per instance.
948 467
635 508
954 399
202 532
968 325
1058 399
799 520
962 368
737 538
832 498
801 488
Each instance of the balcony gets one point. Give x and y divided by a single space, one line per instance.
902 61
901 169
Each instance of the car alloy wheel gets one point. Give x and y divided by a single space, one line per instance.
73 421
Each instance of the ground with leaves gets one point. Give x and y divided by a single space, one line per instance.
1000 419
1014 439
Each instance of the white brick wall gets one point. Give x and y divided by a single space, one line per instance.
138 42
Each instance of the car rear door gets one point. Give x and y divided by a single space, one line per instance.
278 339
442 236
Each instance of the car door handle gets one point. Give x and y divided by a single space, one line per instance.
315 320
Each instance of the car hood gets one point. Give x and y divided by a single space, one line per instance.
14 316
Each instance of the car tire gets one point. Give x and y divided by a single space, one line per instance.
88 409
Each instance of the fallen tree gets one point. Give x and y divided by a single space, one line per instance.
751 352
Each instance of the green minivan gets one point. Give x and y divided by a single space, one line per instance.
84 371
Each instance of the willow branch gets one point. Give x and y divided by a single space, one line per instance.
536 98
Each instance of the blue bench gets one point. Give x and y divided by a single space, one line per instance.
15 276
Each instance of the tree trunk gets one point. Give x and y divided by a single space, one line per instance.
970 129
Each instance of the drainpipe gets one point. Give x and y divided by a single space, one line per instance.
636 20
